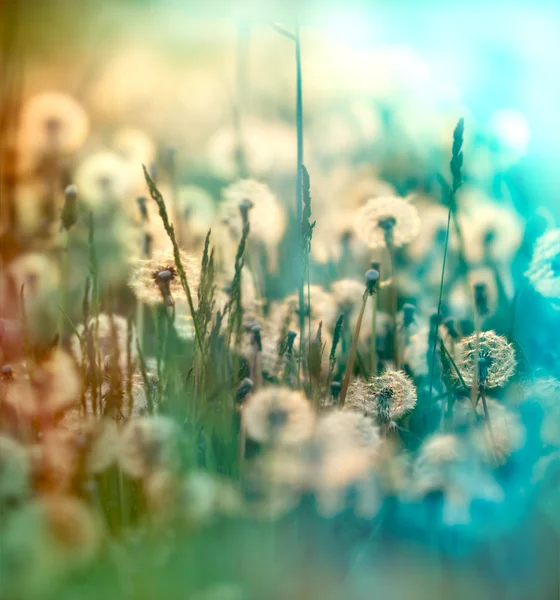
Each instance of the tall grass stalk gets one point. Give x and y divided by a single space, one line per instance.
299 194
455 165
158 198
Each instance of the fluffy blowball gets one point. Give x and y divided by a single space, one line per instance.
339 429
387 218
496 359
104 177
267 216
508 434
492 231
544 269
387 397
53 123
48 391
155 280
148 444
278 414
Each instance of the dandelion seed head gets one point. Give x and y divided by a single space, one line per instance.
152 279
428 244
345 473
36 272
52 387
278 414
104 178
507 436
161 490
379 215
546 391
75 532
53 122
135 146
205 497
387 397
496 359
492 231
267 216
461 303
544 269
346 428
416 352
347 294
148 444
323 306
78 447
268 147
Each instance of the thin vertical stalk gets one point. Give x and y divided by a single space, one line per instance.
455 166
372 279
299 193
64 265
350 365
438 315
394 304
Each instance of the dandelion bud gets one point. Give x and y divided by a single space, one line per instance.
256 333
335 389
244 207
164 276
481 298
375 265
7 373
452 327
409 312
372 278
291 339
163 279
434 325
69 211
141 201
243 390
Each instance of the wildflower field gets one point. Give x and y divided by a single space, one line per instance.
279 315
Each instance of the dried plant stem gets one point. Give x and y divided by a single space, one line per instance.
351 358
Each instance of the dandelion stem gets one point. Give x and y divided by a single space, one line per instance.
372 278
64 263
299 193
351 358
394 304
487 417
